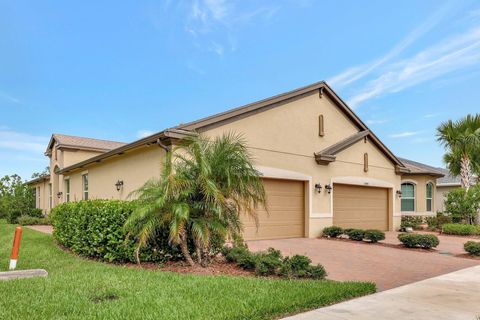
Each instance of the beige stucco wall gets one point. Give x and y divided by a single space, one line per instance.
421 193
287 137
441 196
133 168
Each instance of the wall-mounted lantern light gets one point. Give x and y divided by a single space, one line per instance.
318 187
399 193
328 188
59 194
119 185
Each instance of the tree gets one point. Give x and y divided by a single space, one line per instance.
463 204
204 187
462 140
16 198
42 174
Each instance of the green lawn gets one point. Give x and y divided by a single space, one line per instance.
82 289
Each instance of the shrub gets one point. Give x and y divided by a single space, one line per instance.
29 221
295 266
438 221
317 272
460 229
332 231
463 205
412 240
472 247
413 222
271 262
356 234
374 235
95 229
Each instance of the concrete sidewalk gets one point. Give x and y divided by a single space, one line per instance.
448 297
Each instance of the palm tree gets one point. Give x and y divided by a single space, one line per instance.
204 187
462 140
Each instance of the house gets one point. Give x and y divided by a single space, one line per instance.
320 163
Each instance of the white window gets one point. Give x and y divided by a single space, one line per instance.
67 190
408 197
85 186
429 196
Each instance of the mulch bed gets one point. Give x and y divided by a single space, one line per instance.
467 256
217 267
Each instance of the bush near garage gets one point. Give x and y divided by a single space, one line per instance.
332 232
472 247
413 222
356 234
374 235
272 263
413 240
461 229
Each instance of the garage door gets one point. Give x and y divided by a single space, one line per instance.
360 207
286 212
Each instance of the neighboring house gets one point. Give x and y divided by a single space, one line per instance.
321 165
444 185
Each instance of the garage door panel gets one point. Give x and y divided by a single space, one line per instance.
286 206
360 207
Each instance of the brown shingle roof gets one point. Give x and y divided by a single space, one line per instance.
417 168
67 141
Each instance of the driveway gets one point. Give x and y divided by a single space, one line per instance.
452 296
387 267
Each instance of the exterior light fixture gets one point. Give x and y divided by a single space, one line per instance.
318 187
328 188
399 193
119 185
59 194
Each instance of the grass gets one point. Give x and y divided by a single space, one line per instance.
81 289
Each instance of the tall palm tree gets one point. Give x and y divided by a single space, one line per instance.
205 186
462 140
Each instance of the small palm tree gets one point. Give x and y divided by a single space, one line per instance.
462 140
203 189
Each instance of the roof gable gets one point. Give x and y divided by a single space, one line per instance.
81 143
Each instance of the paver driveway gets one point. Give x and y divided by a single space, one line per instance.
387 267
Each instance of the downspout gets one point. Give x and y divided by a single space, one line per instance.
164 147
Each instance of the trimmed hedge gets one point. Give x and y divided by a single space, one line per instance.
356 234
374 235
413 222
461 229
412 240
472 247
94 228
438 221
271 262
332 231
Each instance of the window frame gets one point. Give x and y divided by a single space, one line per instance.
50 195
429 183
414 198
85 186
67 189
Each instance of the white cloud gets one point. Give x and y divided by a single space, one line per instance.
454 53
405 134
22 141
8 97
144 133
355 73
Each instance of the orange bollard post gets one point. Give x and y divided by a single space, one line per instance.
15 248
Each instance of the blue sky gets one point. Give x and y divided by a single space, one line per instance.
118 70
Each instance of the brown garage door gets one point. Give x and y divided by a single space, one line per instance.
360 207
286 218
